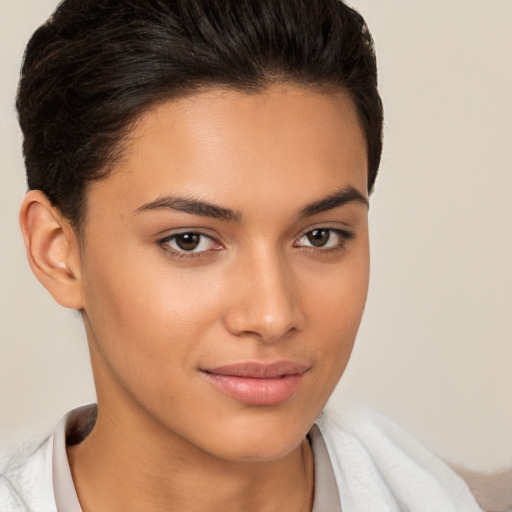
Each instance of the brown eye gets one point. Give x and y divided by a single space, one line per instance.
324 239
318 237
188 241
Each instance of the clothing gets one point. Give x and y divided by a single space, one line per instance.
363 461
28 484
379 467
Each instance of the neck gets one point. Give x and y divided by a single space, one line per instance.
132 463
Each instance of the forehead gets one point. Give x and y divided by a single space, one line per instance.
231 147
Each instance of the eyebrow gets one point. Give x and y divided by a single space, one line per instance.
193 207
197 207
341 197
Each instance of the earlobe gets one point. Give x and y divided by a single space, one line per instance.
52 249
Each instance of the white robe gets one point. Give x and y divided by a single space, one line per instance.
378 468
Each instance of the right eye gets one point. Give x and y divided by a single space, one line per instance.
325 239
190 242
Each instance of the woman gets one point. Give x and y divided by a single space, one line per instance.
199 175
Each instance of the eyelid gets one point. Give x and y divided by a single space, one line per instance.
170 232
344 234
163 242
342 229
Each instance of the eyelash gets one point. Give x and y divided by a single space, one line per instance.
344 237
182 254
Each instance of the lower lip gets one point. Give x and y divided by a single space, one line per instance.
256 391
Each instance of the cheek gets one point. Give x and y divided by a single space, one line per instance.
338 292
144 313
336 308
142 332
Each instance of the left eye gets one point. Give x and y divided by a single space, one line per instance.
189 242
325 238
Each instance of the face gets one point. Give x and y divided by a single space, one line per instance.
225 267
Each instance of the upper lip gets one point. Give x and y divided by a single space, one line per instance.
259 370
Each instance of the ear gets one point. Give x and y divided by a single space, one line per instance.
52 248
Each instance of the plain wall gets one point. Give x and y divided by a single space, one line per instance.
435 349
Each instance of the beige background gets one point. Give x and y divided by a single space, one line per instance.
435 347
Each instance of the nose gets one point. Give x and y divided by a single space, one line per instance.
264 301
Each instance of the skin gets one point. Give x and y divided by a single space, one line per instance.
256 290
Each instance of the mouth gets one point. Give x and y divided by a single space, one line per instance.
257 383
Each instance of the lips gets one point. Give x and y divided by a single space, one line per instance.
257 383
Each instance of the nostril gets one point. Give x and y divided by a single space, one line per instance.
265 327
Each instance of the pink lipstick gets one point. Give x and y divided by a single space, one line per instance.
257 383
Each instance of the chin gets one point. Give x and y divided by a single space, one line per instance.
253 439
261 451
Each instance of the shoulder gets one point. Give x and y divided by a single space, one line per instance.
26 479
379 466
